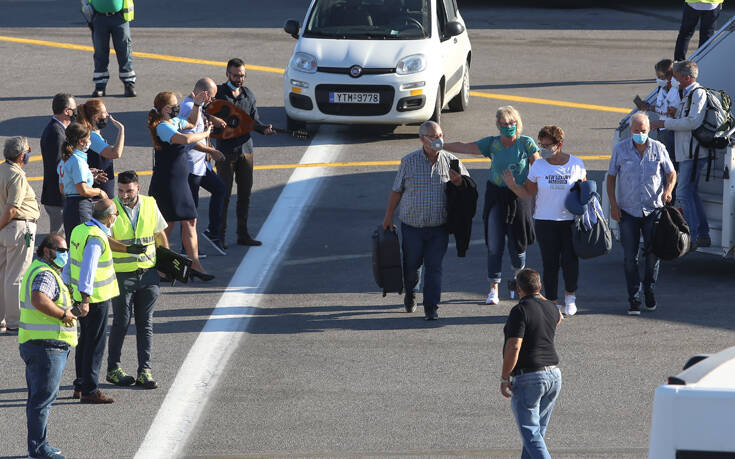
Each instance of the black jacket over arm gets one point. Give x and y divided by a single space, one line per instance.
514 210
52 139
461 207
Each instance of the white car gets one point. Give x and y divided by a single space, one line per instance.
386 62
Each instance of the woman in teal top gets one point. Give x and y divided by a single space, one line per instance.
506 216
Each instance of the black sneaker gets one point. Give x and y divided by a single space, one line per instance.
635 308
145 380
130 90
409 301
98 92
650 301
119 378
214 241
703 241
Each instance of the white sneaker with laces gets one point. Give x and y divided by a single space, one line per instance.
570 305
492 297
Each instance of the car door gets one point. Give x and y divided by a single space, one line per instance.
452 57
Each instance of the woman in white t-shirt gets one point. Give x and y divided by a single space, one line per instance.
550 179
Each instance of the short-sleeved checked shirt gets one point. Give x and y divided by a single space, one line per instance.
640 178
45 282
424 201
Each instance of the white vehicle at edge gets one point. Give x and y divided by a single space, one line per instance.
377 62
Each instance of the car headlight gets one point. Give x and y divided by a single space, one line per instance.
411 64
304 62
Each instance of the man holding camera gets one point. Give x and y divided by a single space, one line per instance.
419 188
139 222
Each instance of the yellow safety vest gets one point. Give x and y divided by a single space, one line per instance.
33 323
128 10
105 281
144 232
714 2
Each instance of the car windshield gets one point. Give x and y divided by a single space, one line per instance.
369 20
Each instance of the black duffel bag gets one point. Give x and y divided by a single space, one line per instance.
671 234
593 242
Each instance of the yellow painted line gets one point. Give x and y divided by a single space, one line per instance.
270 167
558 103
280 71
160 57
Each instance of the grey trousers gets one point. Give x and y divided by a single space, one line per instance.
138 295
56 216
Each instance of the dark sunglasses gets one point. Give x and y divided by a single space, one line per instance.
59 249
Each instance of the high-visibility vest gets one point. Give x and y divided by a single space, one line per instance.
714 2
144 232
105 281
128 9
33 323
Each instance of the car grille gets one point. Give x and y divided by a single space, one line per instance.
365 71
387 94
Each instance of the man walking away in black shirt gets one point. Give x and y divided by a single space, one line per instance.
530 376
52 139
238 151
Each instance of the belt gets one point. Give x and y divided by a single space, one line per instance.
523 371
141 271
30 220
109 14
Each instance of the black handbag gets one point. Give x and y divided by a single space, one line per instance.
594 242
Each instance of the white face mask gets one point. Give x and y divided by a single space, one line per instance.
662 83
86 146
675 83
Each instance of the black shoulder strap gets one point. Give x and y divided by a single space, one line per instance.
689 97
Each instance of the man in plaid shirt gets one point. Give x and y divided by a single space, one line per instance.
419 188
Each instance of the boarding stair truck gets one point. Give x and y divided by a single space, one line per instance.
692 413
716 61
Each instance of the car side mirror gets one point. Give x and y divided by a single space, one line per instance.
454 28
292 27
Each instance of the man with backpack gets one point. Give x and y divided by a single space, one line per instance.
690 155
639 165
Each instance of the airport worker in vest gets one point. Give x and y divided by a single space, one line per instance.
139 222
47 332
91 274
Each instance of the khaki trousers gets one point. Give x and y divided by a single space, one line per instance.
15 258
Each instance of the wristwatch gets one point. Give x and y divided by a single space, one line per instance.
504 379
63 317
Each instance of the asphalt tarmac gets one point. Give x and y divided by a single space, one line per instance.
327 366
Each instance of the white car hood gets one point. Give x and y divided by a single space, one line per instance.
365 53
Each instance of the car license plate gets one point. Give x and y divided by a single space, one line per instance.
354 98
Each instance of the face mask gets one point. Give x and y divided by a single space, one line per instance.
232 86
675 83
114 219
508 131
437 144
662 83
101 123
546 153
61 259
174 111
26 157
86 146
641 138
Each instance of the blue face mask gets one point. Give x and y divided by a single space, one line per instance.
232 86
508 131
437 144
641 138
61 259
26 157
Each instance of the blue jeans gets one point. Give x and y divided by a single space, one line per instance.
45 363
687 191
117 28
631 229
425 246
212 183
534 396
689 19
497 232
138 295
91 347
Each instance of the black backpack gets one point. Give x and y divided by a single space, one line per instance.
711 133
671 235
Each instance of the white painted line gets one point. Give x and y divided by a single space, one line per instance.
331 258
208 357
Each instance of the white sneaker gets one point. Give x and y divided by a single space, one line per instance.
492 297
570 305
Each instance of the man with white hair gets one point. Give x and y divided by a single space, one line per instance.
18 215
419 188
647 179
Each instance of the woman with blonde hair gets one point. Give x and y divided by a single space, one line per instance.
76 179
93 114
169 183
506 216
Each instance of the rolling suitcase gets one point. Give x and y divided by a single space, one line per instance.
387 266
